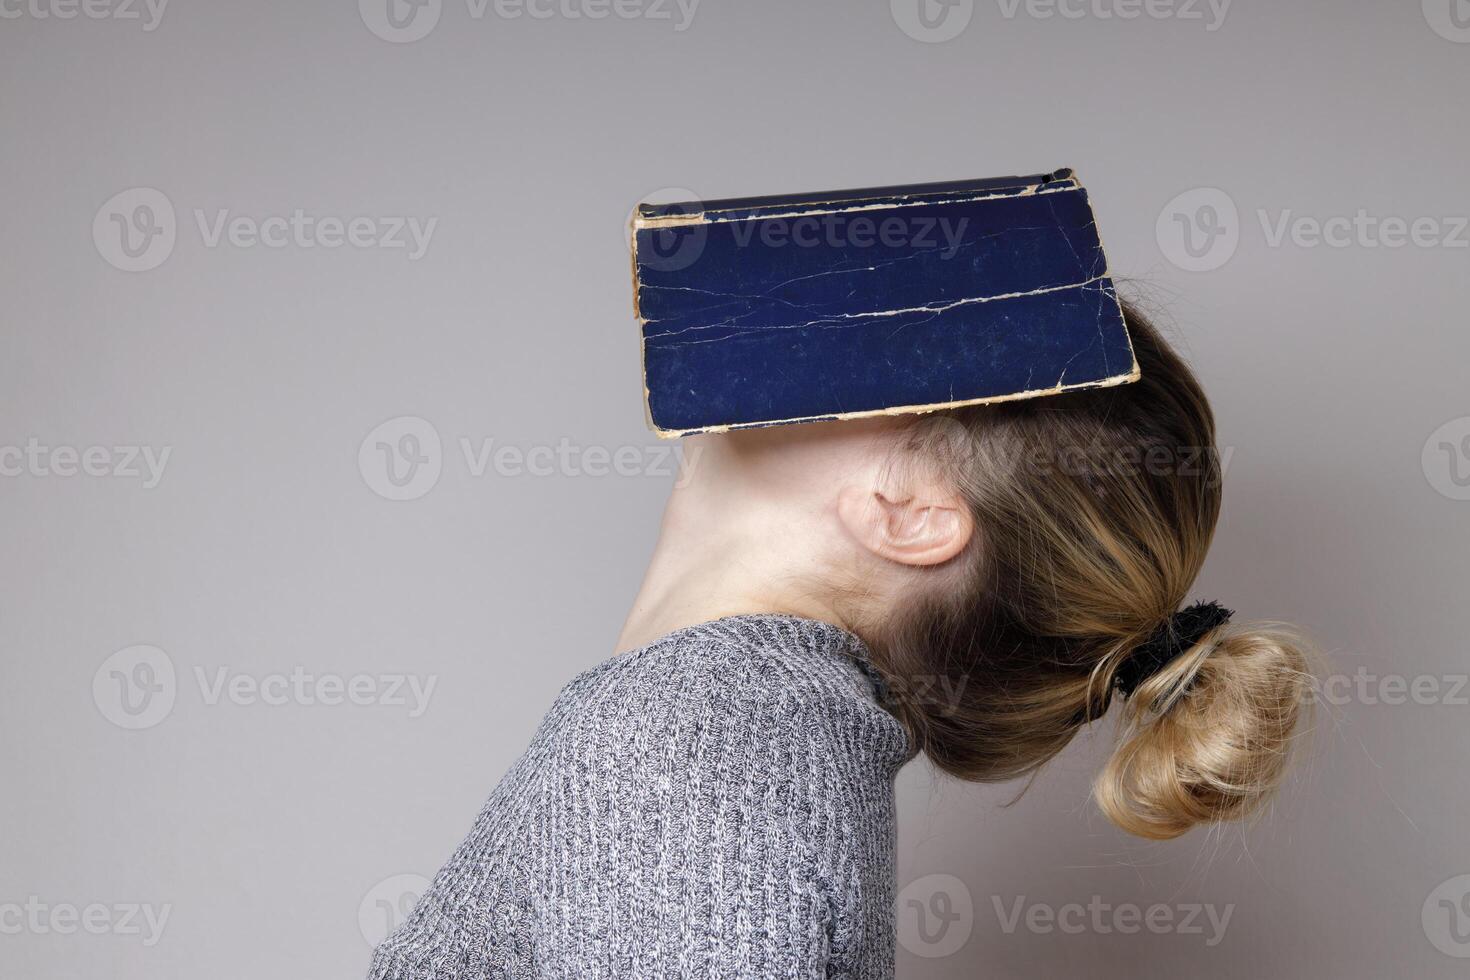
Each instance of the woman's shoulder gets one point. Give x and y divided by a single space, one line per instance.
680 780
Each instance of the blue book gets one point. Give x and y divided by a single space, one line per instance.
847 304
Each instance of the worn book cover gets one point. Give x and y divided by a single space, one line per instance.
847 304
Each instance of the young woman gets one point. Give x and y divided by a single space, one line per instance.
826 601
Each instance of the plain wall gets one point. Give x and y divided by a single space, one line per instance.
275 835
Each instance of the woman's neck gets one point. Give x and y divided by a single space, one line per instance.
726 549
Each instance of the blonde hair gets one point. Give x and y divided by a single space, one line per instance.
1093 512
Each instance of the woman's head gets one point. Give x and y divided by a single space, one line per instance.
1005 561
1092 515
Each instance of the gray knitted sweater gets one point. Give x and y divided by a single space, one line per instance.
716 804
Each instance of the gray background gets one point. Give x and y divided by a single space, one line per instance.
264 549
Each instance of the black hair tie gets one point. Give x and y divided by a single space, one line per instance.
1180 632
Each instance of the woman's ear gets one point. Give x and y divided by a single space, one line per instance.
925 524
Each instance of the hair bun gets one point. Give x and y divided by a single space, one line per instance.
1221 746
